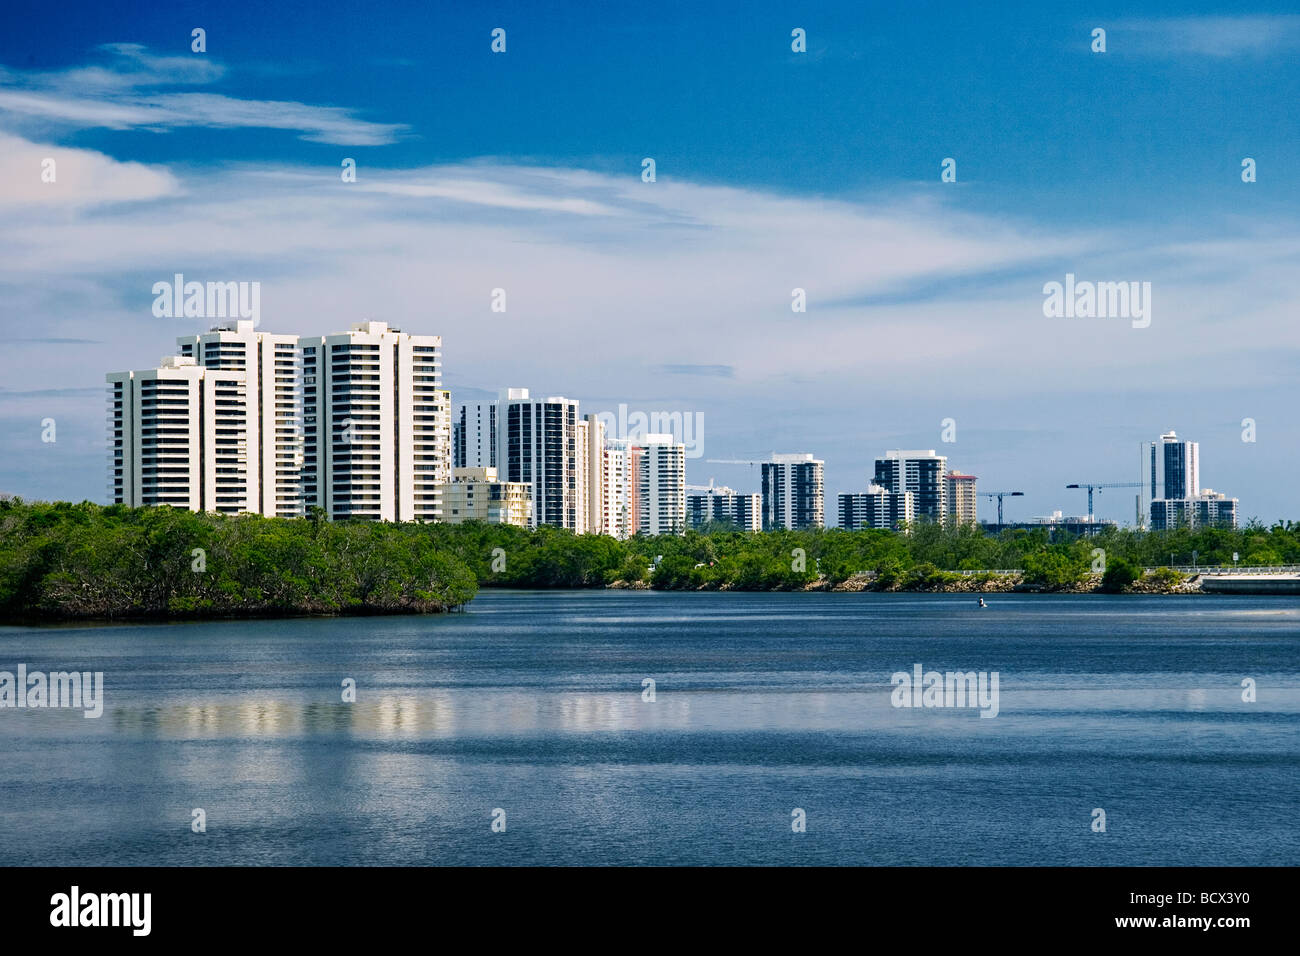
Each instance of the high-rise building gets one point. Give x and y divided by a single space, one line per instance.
722 504
475 494
272 388
623 461
475 436
1175 468
961 497
793 492
593 453
662 486
178 435
540 443
376 424
877 508
920 472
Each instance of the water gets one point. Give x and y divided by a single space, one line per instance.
532 703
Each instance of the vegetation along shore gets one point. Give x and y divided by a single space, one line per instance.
61 561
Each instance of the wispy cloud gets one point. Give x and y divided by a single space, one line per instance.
482 192
130 91
54 341
714 371
1220 37
8 393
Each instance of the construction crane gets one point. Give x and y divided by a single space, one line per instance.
1000 495
1098 485
732 461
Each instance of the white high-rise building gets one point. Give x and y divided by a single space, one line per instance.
376 424
794 492
273 395
1175 468
923 473
1177 498
662 486
619 513
541 441
178 435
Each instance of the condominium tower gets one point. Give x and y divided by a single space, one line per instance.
621 463
959 490
920 472
1175 467
272 392
539 443
662 486
178 435
376 424
793 492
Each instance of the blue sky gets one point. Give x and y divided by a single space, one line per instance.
775 170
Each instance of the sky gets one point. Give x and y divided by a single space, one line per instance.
775 170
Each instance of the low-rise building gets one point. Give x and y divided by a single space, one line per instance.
475 494
877 508
1209 509
722 504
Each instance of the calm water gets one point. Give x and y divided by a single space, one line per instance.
764 702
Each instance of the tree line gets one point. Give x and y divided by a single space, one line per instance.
62 560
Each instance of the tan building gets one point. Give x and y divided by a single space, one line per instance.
592 452
475 494
961 497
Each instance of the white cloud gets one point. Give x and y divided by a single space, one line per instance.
82 177
912 303
124 94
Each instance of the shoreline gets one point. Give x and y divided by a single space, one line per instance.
858 584
974 583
